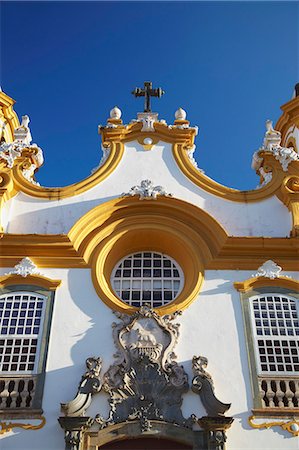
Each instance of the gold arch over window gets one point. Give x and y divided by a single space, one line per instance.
170 226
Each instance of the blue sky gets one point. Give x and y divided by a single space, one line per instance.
230 65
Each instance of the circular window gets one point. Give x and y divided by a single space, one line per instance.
147 278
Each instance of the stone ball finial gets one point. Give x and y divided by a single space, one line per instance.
115 113
180 114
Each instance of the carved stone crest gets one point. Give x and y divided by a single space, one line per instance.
145 384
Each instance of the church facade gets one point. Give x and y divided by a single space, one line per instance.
148 306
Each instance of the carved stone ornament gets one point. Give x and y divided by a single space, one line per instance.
12 150
24 268
268 270
146 191
148 119
271 144
202 384
145 384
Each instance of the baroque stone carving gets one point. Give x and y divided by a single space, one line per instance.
269 270
146 191
271 144
202 384
145 384
24 268
10 151
89 385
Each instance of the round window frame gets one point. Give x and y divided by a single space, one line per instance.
176 265
150 237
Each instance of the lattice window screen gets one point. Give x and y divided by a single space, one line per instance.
276 333
147 278
21 320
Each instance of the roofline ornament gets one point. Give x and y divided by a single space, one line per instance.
146 191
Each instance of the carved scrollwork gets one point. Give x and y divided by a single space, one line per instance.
202 385
89 385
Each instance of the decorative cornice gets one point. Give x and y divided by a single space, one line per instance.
34 280
257 282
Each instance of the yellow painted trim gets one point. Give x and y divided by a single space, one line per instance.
285 425
8 116
122 226
211 186
233 253
257 282
289 118
6 427
54 250
21 184
35 280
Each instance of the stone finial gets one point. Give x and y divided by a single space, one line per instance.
115 113
180 114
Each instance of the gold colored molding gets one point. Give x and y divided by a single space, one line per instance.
167 225
257 282
236 253
290 197
6 427
35 280
211 186
285 425
8 117
290 117
21 184
47 250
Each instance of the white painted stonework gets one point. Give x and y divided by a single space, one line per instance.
32 215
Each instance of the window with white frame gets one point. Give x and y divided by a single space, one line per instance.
271 317
21 320
25 317
148 278
275 321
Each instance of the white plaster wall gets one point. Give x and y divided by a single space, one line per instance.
266 218
212 326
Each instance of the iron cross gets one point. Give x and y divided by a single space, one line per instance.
147 92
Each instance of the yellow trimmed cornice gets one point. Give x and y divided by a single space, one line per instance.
54 250
257 282
13 279
290 117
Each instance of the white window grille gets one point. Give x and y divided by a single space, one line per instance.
21 321
275 321
147 278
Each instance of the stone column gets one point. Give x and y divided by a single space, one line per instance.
74 428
